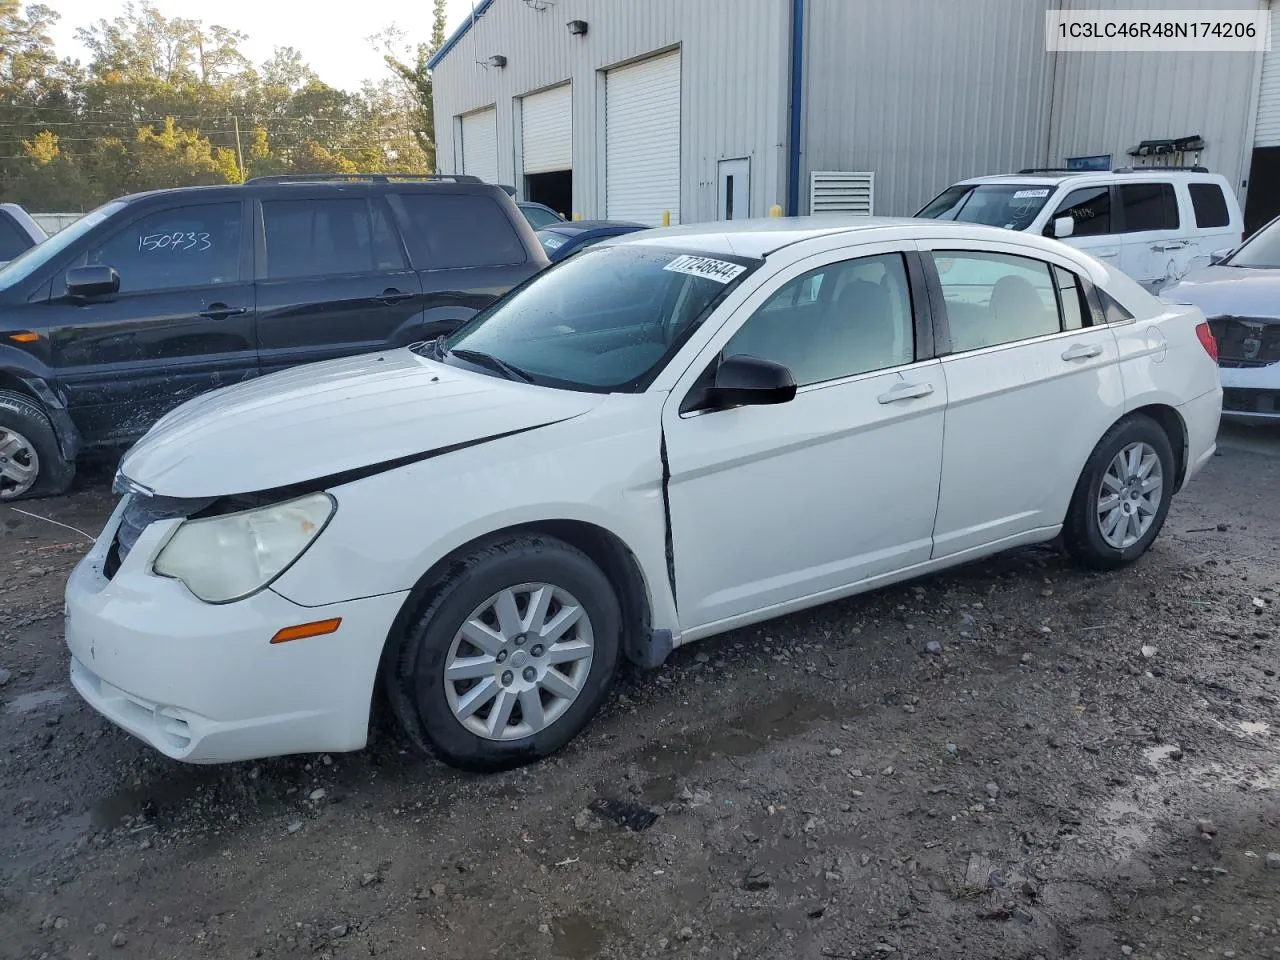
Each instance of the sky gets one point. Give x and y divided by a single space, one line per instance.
333 47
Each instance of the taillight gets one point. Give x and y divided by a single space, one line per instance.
1207 340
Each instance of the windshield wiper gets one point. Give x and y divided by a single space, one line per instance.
492 362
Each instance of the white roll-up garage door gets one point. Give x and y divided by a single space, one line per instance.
546 127
480 145
642 140
1267 131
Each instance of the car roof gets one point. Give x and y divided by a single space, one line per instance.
582 226
237 190
762 236
1072 176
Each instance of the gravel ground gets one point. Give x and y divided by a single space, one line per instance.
1018 759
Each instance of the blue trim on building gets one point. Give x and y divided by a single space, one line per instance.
458 34
797 93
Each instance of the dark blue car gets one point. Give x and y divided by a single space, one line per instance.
562 239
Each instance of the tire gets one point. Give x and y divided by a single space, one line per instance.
428 705
1085 533
27 440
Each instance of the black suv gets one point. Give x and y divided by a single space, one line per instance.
154 298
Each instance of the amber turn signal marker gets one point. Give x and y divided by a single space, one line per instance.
303 630
26 336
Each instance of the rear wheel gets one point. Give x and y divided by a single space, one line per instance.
1123 495
511 657
31 464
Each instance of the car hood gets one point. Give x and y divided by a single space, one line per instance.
328 419
1229 291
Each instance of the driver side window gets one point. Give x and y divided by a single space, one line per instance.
837 321
193 246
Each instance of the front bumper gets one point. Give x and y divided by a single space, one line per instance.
1251 394
202 682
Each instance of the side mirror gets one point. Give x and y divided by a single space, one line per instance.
1218 256
743 380
94 281
1063 227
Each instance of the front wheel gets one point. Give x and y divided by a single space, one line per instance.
511 657
31 464
1122 497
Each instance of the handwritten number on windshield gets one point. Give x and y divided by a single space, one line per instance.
176 241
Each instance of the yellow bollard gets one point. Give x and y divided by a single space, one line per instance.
577 216
666 218
775 210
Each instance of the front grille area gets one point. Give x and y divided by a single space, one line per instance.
1251 401
1246 341
140 511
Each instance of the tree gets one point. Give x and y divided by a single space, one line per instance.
410 68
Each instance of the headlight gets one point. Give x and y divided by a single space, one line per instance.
227 558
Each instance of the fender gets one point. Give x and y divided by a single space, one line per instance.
22 367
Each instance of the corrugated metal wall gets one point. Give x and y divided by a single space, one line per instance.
924 93
733 85
1109 102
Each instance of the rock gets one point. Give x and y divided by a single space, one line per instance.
685 795
118 939
60 923
933 647
100 929
1149 651
1224 527
908 708
952 748
1259 603
884 948
993 789
1025 659
544 929
834 752
1030 888
1206 827
5 676
1273 861
1176 753
438 889
701 658
368 879
685 933
757 879
339 930
317 794
327 760
587 822
1126 950
295 826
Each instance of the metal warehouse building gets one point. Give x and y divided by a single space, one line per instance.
718 109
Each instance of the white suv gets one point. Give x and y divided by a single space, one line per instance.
653 441
1154 224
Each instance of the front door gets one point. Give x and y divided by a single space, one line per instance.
333 280
776 504
1090 211
734 192
182 322
1031 388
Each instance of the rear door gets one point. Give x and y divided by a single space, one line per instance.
1217 223
466 250
1154 237
182 322
1031 387
333 278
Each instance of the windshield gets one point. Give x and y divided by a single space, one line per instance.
605 320
551 240
539 217
1260 250
18 269
1009 205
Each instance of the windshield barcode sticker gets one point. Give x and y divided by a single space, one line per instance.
1027 194
721 271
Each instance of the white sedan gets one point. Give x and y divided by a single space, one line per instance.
662 438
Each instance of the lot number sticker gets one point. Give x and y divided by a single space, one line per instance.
1028 194
721 271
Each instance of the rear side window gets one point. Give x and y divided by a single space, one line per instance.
1149 206
1089 207
1209 204
459 230
321 238
13 239
191 246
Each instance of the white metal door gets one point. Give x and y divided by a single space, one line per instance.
546 129
642 140
771 505
1022 416
1266 133
480 145
733 194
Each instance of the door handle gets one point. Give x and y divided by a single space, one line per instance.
220 311
1082 351
905 391
1171 245
391 296
1108 252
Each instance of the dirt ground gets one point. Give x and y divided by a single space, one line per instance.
1090 767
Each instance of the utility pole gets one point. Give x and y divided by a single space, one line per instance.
239 149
